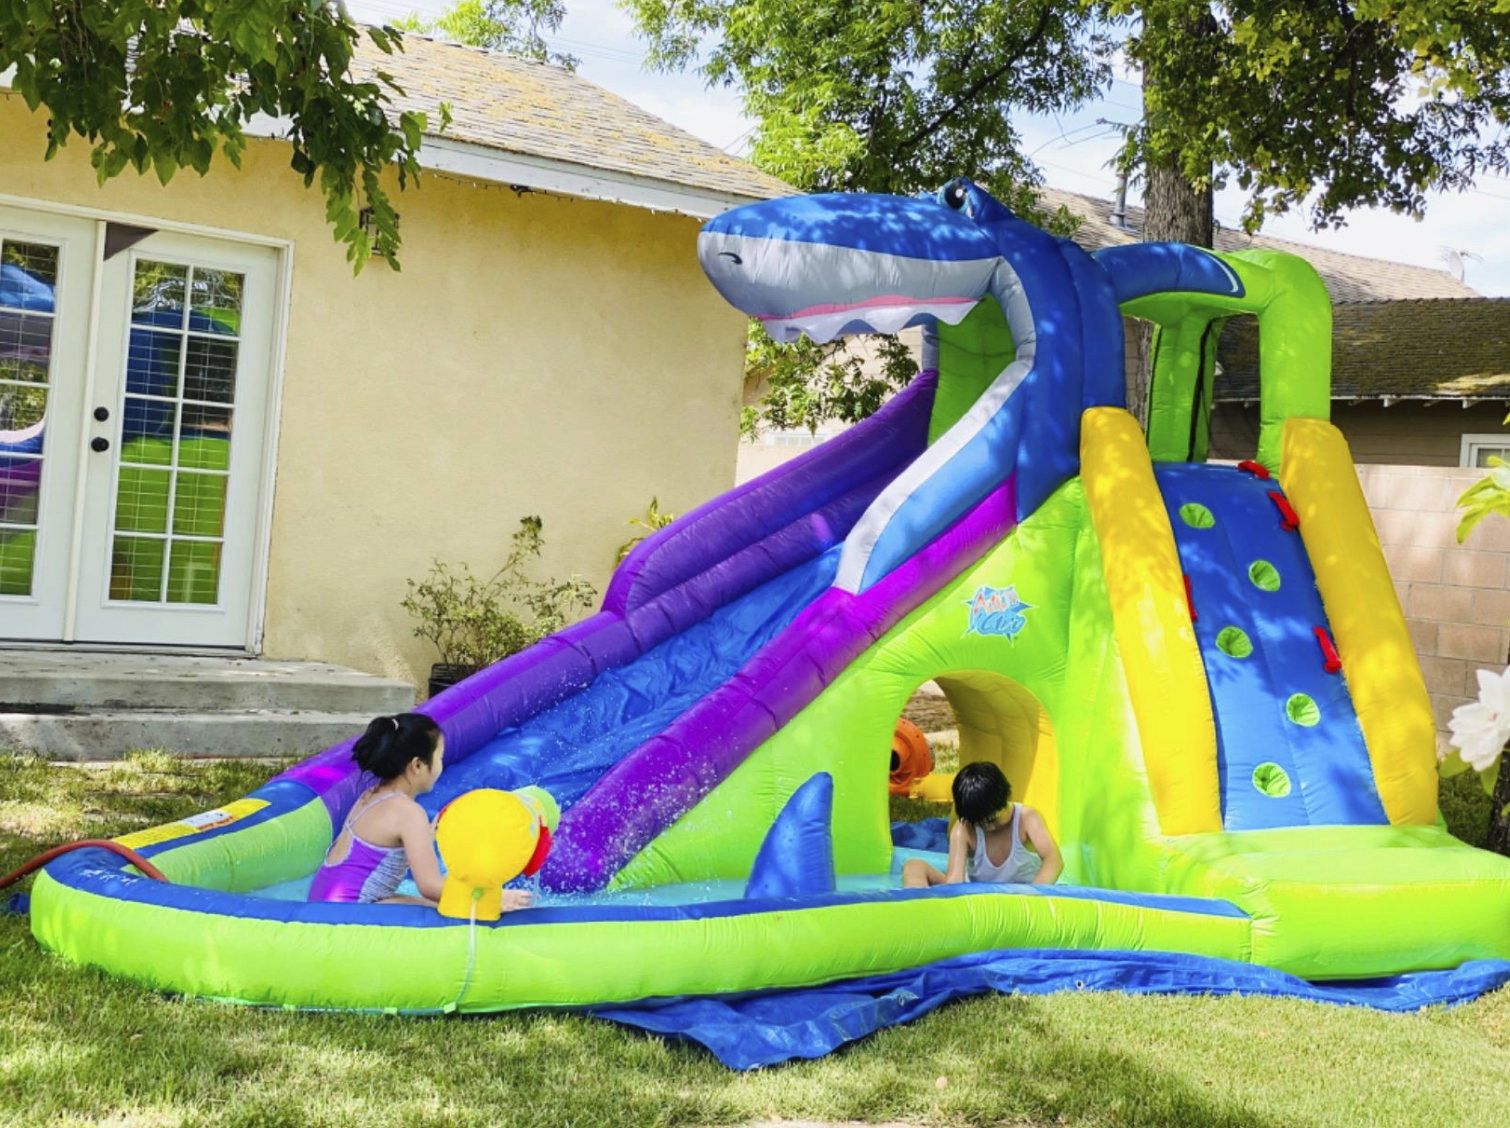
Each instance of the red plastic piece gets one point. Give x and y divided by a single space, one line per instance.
1189 599
542 849
1257 469
141 863
1333 661
1291 519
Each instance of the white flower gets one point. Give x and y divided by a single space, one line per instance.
1481 728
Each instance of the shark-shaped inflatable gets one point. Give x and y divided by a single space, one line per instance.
1199 674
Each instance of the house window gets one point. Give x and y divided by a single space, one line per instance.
1478 449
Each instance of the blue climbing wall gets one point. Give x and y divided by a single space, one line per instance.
1289 749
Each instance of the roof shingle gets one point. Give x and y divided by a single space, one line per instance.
1439 348
1348 278
534 109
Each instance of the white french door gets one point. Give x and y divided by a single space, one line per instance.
46 281
157 382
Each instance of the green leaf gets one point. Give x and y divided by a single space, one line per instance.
1451 765
165 166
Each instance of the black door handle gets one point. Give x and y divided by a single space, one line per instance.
102 413
99 444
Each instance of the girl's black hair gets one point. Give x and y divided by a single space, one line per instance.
389 743
980 791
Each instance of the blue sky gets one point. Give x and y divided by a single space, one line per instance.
1073 150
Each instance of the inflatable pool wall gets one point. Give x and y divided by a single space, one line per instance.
1199 673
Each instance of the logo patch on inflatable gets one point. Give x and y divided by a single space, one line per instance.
997 611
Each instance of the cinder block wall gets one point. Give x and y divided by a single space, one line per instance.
1456 598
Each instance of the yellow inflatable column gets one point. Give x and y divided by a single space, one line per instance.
1151 618
1378 659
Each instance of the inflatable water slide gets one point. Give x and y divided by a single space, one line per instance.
1198 673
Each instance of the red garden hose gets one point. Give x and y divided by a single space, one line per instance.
46 856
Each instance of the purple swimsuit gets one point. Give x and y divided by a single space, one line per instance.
368 873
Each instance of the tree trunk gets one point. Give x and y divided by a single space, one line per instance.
1498 838
1174 210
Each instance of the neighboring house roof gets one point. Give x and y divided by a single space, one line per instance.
517 121
1348 278
1432 349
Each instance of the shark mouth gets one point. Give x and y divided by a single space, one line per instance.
892 314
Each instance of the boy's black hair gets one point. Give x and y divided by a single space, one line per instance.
389 743
980 791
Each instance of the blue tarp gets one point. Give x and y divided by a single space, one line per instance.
748 1031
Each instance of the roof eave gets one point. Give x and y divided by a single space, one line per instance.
482 162
542 174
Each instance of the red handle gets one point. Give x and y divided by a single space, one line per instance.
1257 469
1189 599
1291 520
1328 651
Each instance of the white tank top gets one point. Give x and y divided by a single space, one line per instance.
1021 865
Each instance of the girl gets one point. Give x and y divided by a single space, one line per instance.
387 834
993 839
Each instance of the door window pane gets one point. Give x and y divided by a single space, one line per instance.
157 294
216 302
32 275
153 362
194 572
172 469
19 478
28 278
136 569
141 500
17 547
210 370
199 505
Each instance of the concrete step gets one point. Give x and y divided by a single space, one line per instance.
61 682
106 735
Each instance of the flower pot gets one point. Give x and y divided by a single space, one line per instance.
443 676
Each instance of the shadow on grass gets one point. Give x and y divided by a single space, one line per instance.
76 1045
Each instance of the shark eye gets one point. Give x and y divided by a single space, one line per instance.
954 195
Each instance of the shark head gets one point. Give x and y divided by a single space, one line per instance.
832 265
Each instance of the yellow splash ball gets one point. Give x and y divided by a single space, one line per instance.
486 837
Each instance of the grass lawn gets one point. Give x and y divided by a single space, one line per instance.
78 1048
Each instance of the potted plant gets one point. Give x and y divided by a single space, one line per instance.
474 622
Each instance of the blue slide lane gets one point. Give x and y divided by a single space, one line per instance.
1316 769
568 748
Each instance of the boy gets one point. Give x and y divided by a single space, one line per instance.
993 839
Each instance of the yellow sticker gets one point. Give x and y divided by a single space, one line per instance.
194 824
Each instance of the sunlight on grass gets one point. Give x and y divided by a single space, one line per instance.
77 1047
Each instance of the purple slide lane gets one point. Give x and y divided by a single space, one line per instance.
673 579
647 791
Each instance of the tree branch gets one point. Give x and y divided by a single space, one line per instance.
981 84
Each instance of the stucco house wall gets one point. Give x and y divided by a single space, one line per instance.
536 355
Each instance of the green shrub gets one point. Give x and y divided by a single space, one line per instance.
476 622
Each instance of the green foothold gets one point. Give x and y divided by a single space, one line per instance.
1302 710
1197 516
1271 780
1234 642
1264 575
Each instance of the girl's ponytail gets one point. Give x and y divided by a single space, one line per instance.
389 743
